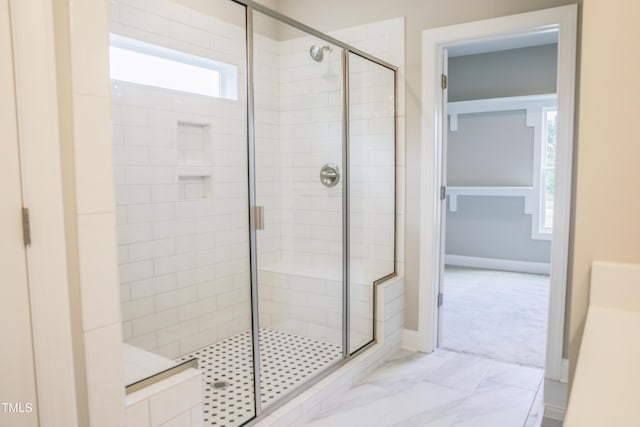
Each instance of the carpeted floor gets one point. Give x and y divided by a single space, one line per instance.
497 314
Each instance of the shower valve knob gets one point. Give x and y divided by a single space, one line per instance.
330 175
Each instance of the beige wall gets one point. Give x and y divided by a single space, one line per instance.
227 11
17 369
420 15
607 208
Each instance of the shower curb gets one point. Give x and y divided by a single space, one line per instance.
389 327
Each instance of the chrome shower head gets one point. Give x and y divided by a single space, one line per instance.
317 52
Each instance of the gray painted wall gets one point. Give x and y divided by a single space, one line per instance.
526 71
491 149
495 149
494 227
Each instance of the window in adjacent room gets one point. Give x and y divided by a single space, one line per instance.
548 165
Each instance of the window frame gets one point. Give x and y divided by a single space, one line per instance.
544 170
227 73
538 229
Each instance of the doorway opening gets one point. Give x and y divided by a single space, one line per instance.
498 168
435 43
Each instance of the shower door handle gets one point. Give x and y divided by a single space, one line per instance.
259 217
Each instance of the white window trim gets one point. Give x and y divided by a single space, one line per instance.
541 209
537 231
228 72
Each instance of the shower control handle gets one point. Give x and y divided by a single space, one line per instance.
330 175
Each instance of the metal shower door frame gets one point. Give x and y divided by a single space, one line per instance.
250 7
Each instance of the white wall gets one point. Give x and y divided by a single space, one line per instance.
181 190
372 160
174 401
82 88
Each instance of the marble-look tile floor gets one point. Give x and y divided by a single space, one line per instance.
442 389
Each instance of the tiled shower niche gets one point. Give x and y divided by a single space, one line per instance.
194 144
194 161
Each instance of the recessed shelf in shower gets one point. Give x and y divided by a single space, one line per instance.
194 161
194 146
194 187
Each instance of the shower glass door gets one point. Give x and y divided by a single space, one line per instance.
298 84
179 113
252 226
371 190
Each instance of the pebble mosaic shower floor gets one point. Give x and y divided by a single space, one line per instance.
286 361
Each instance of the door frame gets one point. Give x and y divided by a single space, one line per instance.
442 209
564 19
36 104
18 367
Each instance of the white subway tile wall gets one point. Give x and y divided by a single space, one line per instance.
300 285
181 185
181 189
389 319
174 401
372 159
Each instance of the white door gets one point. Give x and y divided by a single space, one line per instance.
18 406
444 127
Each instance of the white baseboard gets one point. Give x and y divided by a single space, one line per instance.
554 413
564 371
410 339
555 399
498 264
548 422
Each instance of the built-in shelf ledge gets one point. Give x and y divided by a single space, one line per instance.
194 170
530 103
526 192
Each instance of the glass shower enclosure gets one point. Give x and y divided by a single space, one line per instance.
254 168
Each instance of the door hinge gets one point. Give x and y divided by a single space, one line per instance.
26 227
443 81
443 192
440 298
